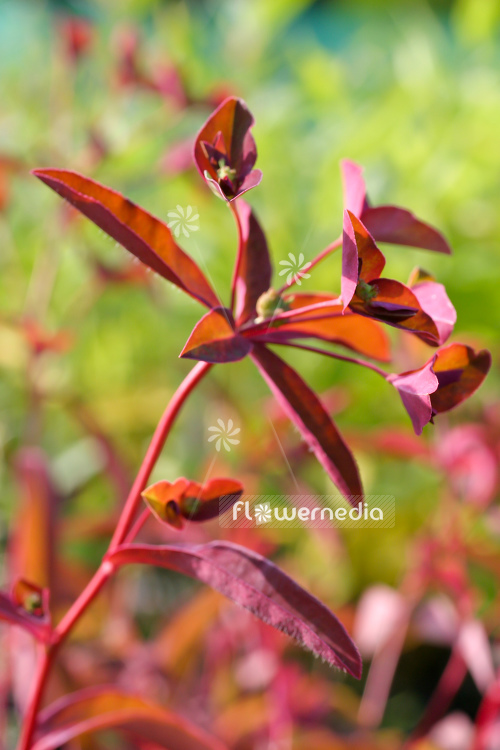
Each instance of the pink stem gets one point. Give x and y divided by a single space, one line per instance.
106 569
333 355
237 264
29 721
154 450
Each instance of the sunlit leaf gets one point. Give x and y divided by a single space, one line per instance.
185 500
225 150
145 236
214 339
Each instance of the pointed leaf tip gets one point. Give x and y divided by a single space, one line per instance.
306 411
138 231
260 587
214 339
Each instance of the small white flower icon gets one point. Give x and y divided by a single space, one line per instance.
294 269
262 513
224 435
183 220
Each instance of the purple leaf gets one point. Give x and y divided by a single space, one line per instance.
306 411
259 586
225 150
401 227
254 271
387 223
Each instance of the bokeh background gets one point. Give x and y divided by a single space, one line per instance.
411 91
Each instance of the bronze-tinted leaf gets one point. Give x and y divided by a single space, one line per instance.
306 411
145 236
225 150
214 339
395 304
361 258
182 500
358 333
460 372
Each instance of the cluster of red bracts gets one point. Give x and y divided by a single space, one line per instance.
225 154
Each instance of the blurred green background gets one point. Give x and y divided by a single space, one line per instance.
410 90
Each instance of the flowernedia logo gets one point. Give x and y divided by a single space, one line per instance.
316 511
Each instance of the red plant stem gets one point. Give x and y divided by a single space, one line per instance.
333 355
154 450
106 569
293 316
238 256
321 256
29 722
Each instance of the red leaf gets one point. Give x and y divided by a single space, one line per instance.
214 339
259 586
415 388
172 503
451 376
360 334
460 372
401 227
395 304
306 411
387 223
145 236
254 271
225 150
102 708
361 258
